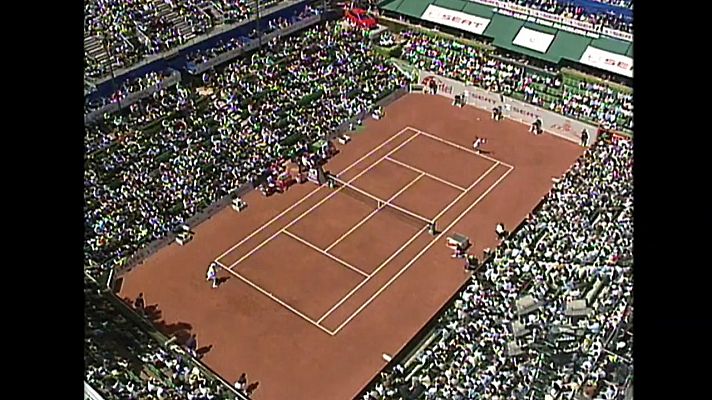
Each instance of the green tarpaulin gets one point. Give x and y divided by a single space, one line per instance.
541 28
391 5
456 5
413 8
629 53
503 29
478 10
612 45
568 45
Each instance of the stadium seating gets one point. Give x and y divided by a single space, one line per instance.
580 236
123 362
119 34
572 95
607 14
273 24
171 155
166 157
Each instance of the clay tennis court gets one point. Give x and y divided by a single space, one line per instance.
322 281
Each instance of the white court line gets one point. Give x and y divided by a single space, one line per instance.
282 303
308 195
472 185
333 257
439 139
353 228
271 296
460 188
384 263
417 256
320 202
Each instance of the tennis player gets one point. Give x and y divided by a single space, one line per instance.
478 144
212 274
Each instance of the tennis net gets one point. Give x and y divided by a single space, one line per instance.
379 203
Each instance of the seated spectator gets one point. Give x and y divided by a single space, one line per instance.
116 346
548 259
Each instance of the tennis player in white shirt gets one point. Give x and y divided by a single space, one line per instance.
212 274
478 144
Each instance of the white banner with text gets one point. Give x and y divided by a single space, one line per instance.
617 63
455 19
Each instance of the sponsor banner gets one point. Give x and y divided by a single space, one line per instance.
455 19
534 40
608 61
526 113
618 34
546 15
576 30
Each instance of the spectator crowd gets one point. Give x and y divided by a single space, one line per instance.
152 167
579 99
550 316
123 33
571 9
151 79
273 24
122 362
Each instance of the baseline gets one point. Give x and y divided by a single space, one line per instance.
276 299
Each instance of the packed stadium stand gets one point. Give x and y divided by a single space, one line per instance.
549 317
569 95
172 154
119 34
518 330
123 361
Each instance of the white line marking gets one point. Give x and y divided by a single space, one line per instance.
353 228
308 195
460 188
384 263
282 303
417 256
439 139
320 202
333 257
472 185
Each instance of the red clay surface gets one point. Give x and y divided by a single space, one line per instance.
310 324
